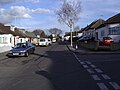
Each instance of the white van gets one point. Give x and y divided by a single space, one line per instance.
44 42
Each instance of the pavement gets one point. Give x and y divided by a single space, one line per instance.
3 55
83 50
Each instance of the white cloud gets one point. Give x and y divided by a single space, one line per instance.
19 11
8 15
40 10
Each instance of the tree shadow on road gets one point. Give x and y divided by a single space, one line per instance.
48 76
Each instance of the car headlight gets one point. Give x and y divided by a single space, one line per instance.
23 51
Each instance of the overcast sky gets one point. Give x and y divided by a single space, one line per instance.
40 13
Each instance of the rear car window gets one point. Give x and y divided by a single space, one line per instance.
42 40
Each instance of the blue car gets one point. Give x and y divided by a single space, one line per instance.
22 49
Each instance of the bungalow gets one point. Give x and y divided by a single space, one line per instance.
111 28
10 36
32 37
90 30
22 37
6 38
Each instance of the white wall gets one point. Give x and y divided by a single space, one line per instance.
115 37
21 40
6 45
105 32
80 34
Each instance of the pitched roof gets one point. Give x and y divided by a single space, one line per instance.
20 33
113 19
98 23
94 25
16 32
30 34
2 31
5 29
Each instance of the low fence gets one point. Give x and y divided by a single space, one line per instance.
94 45
115 46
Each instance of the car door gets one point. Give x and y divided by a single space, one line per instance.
31 48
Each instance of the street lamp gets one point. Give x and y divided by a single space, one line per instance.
71 32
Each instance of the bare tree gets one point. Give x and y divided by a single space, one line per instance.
69 13
55 31
39 32
77 28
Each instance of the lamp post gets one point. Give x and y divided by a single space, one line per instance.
71 43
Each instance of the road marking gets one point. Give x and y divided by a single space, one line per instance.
76 57
105 76
102 86
88 62
95 77
115 85
85 66
90 71
93 66
98 70
79 60
82 63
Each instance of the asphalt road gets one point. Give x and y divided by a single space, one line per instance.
56 68
103 68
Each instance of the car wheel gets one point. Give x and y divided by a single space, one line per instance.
26 54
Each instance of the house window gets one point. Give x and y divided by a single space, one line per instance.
3 39
114 30
10 40
20 40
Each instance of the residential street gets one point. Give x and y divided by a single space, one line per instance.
56 68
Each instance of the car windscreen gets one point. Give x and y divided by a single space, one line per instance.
20 45
42 40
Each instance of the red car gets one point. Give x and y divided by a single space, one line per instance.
107 40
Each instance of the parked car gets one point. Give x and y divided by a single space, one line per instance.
107 40
44 41
22 49
54 40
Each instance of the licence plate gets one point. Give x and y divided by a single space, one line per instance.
15 53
